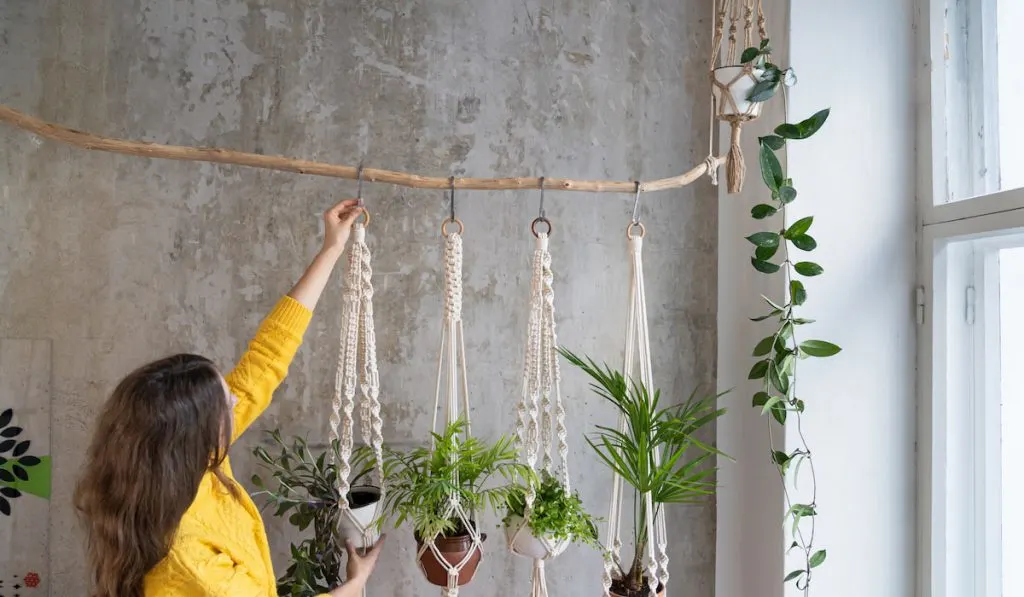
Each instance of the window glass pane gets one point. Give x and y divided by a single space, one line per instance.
1011 331
984 120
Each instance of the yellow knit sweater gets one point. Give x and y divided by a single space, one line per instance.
220 548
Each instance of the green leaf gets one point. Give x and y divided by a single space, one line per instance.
765 253
802 510
760 399
797 292
794 574
764 239
780 458
799 406
764 317
779 379
788 131
800 227
772 403
808 268
779 412
818 558
787 194
759 370
819 348
774 141
765 89
764 45
749 54
771 169
804 242
764 346
804 128
765 267
762 211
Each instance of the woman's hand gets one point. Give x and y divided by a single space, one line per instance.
359 568
338 224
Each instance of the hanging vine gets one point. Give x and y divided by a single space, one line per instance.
779 251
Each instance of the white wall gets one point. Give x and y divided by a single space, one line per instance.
857 178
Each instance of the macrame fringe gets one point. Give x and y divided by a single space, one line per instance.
735 167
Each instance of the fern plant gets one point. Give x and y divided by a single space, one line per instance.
685 474
304 487
423 481
556 513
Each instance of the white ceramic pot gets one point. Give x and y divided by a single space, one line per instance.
365 506
739 85
525 544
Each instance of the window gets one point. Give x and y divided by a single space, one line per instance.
982 83
971 301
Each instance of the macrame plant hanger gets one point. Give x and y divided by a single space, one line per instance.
452 386
731 82
540 421
637 354
357 368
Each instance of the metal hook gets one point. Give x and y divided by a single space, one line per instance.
451 185
636 204
541 214
359 189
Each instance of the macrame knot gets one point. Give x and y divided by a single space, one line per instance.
736 168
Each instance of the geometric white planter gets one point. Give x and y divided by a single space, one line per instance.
365 507
739 85
525 544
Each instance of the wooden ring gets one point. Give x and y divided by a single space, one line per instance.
444 226
629 230
541 220
366 217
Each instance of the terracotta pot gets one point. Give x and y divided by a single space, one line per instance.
615 591
454 550
528 545
739 86
365 506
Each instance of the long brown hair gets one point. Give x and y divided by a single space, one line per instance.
164 427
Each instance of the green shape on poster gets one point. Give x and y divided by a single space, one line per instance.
38 483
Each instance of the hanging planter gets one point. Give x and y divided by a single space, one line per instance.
556 520
733 91
620 588
366 507
456 551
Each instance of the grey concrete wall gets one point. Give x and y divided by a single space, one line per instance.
121 260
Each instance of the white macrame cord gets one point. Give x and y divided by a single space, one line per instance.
451 385
637 352
357 368
540 421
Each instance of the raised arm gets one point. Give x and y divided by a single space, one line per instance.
265 364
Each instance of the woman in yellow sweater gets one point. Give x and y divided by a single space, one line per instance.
163 513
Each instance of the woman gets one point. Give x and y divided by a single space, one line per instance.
163 514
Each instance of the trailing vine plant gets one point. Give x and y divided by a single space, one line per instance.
782 251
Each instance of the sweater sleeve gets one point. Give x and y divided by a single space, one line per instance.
264 365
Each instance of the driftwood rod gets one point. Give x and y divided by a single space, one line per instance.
84 140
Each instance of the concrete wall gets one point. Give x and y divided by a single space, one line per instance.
121 260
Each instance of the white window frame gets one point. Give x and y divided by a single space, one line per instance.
944 266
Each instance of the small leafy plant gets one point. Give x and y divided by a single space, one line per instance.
556 514
685 473
305 488
779 353
771 74
422 482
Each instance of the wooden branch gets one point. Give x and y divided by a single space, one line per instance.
239 158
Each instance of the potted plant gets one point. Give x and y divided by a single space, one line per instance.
557 518
685 473
305 487
750 83
424 483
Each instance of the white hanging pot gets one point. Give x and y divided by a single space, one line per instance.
732 101
365 507
526 544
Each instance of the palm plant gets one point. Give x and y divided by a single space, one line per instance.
305 488
423 481
685 473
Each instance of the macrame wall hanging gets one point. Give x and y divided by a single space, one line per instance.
453 559
540 420
739 24
637 354
357 370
